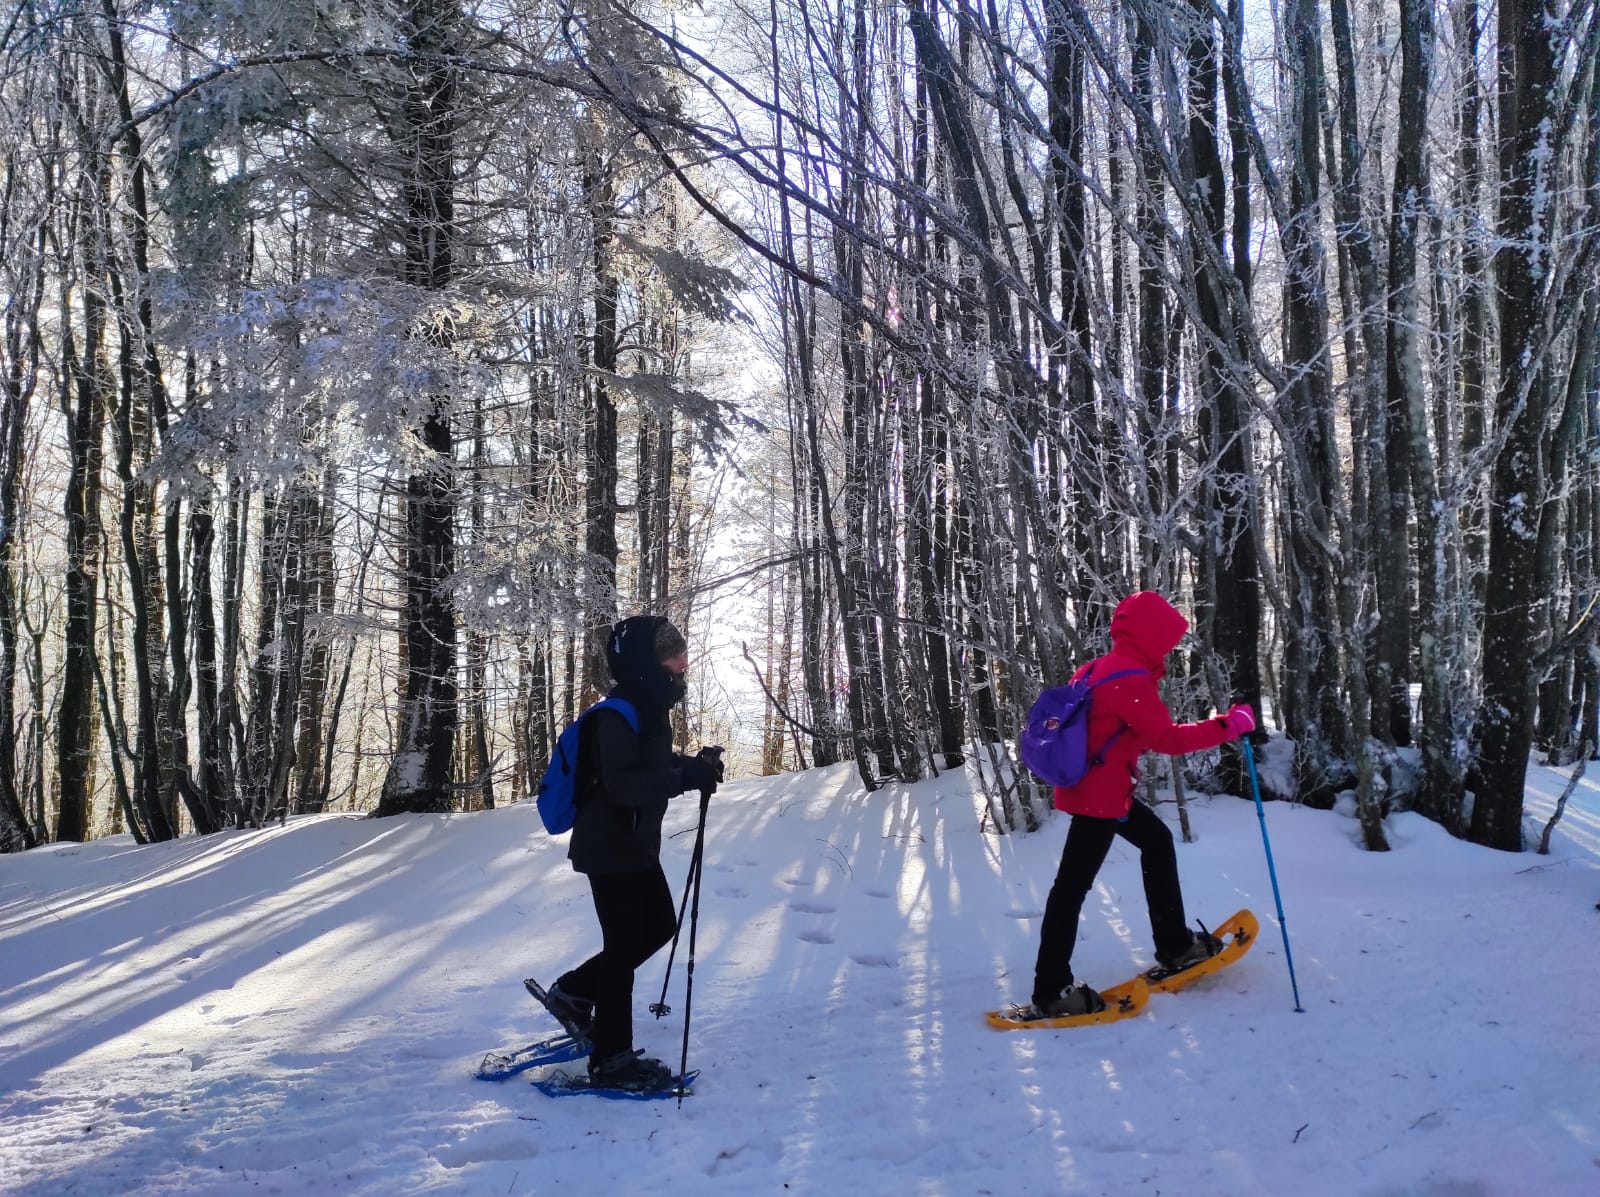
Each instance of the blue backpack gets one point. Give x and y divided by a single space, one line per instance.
558 788
1054 742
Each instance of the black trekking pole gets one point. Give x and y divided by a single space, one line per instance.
690 883
694 920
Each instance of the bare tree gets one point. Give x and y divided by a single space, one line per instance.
419 773
1534 125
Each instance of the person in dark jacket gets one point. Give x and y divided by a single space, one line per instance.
625 779
1126 719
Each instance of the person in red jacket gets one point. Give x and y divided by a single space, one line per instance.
1126 719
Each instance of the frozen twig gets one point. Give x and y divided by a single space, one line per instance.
1561 803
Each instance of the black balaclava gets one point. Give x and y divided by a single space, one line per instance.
633 654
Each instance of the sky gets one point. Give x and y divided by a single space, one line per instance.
302 1009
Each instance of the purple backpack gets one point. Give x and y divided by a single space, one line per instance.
1054 743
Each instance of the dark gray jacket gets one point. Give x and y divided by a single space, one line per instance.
624 782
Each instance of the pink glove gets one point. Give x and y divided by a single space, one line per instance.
1240 719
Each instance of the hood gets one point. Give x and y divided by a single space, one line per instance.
1146 626
633 656
631 649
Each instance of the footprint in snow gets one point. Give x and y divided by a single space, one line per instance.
810 908
876 959
814 936
1017 913
732 891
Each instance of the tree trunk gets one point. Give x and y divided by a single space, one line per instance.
215 779
18 369
86 401
204 802
1372 505
477 641
1235 618
419 772
1150 351
142 418
822 556
1560 533
1441 785
1406 421
308 789
1316 719
1091 521
230 721
600 449
272 670
1472 319
1516 586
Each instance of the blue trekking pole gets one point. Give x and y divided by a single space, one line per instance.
1261 812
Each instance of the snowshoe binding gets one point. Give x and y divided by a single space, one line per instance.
575 1014
632 1071
1118 1002
1210 952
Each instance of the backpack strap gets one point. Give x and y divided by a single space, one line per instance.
1099 758
621 706
585 741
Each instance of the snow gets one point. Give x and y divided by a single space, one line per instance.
301 1009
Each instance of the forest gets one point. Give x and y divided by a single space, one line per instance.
362 359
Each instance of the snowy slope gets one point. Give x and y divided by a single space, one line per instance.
300 1010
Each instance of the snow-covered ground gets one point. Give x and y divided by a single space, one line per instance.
301 1009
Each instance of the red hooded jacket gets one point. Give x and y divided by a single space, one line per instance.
1144 629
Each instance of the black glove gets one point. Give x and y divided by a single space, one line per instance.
713 757
699 775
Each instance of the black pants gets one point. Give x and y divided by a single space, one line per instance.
1088 841
636 919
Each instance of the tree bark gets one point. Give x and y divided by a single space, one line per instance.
1315 718
419 772
1441 785
600 448
1472 319
1230 542
1371 495
1516 585
19 354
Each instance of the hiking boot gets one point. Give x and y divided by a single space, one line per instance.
1201 948
575 1014
1071 1002
632 1071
